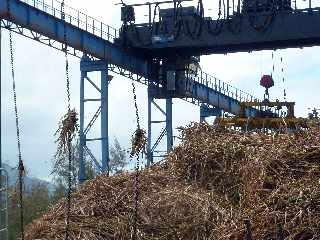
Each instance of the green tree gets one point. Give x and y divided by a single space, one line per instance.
59 191
60 169
35 202
118 157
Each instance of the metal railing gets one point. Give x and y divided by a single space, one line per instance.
230 8
100 29
83 21
75 18
222 87
3 204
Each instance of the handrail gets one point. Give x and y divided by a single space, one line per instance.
83 21
222 87
75 17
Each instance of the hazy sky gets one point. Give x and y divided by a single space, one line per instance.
42 98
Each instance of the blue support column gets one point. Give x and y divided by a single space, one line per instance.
86 66
153 150
169 124
149 152
82 174
206 111
104 121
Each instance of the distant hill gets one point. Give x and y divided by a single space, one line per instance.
28 181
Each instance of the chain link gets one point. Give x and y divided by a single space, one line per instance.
283 80
272 59
136 104
136 198
65 49
137 170
20 164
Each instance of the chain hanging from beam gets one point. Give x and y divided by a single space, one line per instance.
272 60
20 163
283 80
137 168
69 136
138 145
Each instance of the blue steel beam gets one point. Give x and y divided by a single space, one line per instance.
240 33
104 120
206 111
169 130
212 91
53 27
217 99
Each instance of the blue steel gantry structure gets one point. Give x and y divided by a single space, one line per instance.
160 59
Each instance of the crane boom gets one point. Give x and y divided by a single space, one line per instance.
190 33
97 39
52 26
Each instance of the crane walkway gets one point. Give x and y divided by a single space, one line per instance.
43 21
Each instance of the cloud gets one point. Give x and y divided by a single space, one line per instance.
41 90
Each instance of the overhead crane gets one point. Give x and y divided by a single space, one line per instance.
166 64
93 41
251 26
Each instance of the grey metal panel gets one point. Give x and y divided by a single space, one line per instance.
298 28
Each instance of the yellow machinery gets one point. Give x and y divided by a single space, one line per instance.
271 115
267 118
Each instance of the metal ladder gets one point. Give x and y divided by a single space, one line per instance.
3 204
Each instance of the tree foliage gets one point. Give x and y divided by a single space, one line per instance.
60 169
37 198
118 157
35 202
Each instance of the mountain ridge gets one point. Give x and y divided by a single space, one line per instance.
29 182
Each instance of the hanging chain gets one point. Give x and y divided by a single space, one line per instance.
20 165
136 104
272 59
65 49
283 80
136 198
137 170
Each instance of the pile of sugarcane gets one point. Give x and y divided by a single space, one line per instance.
205 189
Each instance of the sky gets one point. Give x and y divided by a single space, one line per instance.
41 89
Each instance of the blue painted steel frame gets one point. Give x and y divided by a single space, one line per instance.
206 111
52 27
240 33
87 65
167 130
169 124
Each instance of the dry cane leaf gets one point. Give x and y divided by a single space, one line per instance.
203 190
